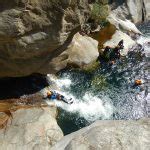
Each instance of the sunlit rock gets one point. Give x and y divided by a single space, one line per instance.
81 51
109 135
30 128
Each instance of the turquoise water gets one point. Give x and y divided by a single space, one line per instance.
108 92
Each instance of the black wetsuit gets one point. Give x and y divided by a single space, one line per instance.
111 54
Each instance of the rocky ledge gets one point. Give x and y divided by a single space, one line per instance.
109 135
29 127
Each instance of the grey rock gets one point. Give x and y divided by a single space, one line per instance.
146 9
109 135
135 10
31 128
82 51
32 33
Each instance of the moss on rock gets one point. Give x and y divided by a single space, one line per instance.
91 67
99 82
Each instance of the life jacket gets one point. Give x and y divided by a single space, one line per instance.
54 96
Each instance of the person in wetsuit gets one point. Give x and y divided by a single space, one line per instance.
56 96
110 55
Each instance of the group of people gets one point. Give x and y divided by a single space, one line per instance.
110 55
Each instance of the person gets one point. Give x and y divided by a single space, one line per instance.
116 51
107 52
138 82
110 55
102 58
120 44
56 96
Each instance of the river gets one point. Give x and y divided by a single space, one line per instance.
107 93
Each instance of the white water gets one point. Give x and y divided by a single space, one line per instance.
92 107
145 42
89 107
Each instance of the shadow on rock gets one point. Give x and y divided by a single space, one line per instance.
17 87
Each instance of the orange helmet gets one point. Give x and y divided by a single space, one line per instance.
138 82
49 93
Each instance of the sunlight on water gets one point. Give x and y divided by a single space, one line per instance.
145 42
115 98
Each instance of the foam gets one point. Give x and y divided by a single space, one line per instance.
144 40
89 107
61 83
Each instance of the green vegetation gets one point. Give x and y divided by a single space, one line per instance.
91 67
100 11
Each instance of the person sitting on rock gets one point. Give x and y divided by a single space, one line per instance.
120 44
116 51
110 55
105 57
56 96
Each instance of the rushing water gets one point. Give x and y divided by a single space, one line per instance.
107 93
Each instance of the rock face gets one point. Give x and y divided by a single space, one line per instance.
134 10
122 24
126 13
109 135
30 128
32 33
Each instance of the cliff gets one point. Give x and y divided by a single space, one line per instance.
32 33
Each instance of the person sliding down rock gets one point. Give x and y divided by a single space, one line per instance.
110 55
56 96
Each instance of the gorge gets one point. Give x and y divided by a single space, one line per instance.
42 39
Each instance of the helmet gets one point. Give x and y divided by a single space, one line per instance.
138 82
49 93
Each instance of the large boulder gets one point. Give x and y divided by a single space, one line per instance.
29 128
82 51
109 135
122 24
32 33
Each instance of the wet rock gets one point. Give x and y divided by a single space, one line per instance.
103 135
31 128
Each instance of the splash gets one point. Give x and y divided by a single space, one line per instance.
89 107
145 42
60 83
